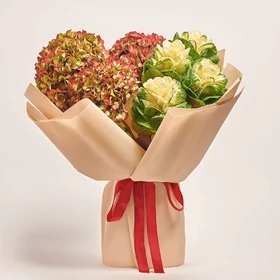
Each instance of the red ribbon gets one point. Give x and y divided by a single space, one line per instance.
144 194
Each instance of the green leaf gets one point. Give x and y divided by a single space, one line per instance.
172 74
210 52
189 83
160 65
150 111
183 105
178 97
142 130
211 99
176 36
193 53
150 72
216 88
195 102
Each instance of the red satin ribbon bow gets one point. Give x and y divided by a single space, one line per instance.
144 194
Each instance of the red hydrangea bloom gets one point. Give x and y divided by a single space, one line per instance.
109 85
64 56
136 48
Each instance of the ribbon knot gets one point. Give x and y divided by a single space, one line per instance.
144 194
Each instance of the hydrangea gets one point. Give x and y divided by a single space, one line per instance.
136 48
152 102
64 56
109 85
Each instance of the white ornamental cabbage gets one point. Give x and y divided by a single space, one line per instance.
205 83
174 55
152 102
198 40
200 46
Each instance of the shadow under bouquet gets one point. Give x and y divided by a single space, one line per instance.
141 115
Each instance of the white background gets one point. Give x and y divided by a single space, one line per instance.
50 214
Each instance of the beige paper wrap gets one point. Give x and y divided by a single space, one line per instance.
98 148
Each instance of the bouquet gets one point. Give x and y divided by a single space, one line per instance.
140 115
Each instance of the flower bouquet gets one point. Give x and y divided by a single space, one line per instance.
142 116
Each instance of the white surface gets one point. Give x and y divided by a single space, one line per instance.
50 214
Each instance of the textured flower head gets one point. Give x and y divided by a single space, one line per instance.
152 102
64 56
163 92
207 72
109 85
200 46
198 40
174 55
205 83
136 48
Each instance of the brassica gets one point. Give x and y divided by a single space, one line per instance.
204 83
152 102
200 46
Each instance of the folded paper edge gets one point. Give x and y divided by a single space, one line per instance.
178 112
41 102
230 92
221 55
34 114
234 100
231 70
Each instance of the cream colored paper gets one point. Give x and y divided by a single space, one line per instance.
98 148
117 237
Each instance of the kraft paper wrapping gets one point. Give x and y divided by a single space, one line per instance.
101 150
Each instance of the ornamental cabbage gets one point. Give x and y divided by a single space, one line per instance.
200 46
172 59
204 82
173 55
152 102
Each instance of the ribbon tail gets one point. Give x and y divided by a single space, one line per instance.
150 199
144 194
121 199
139 227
